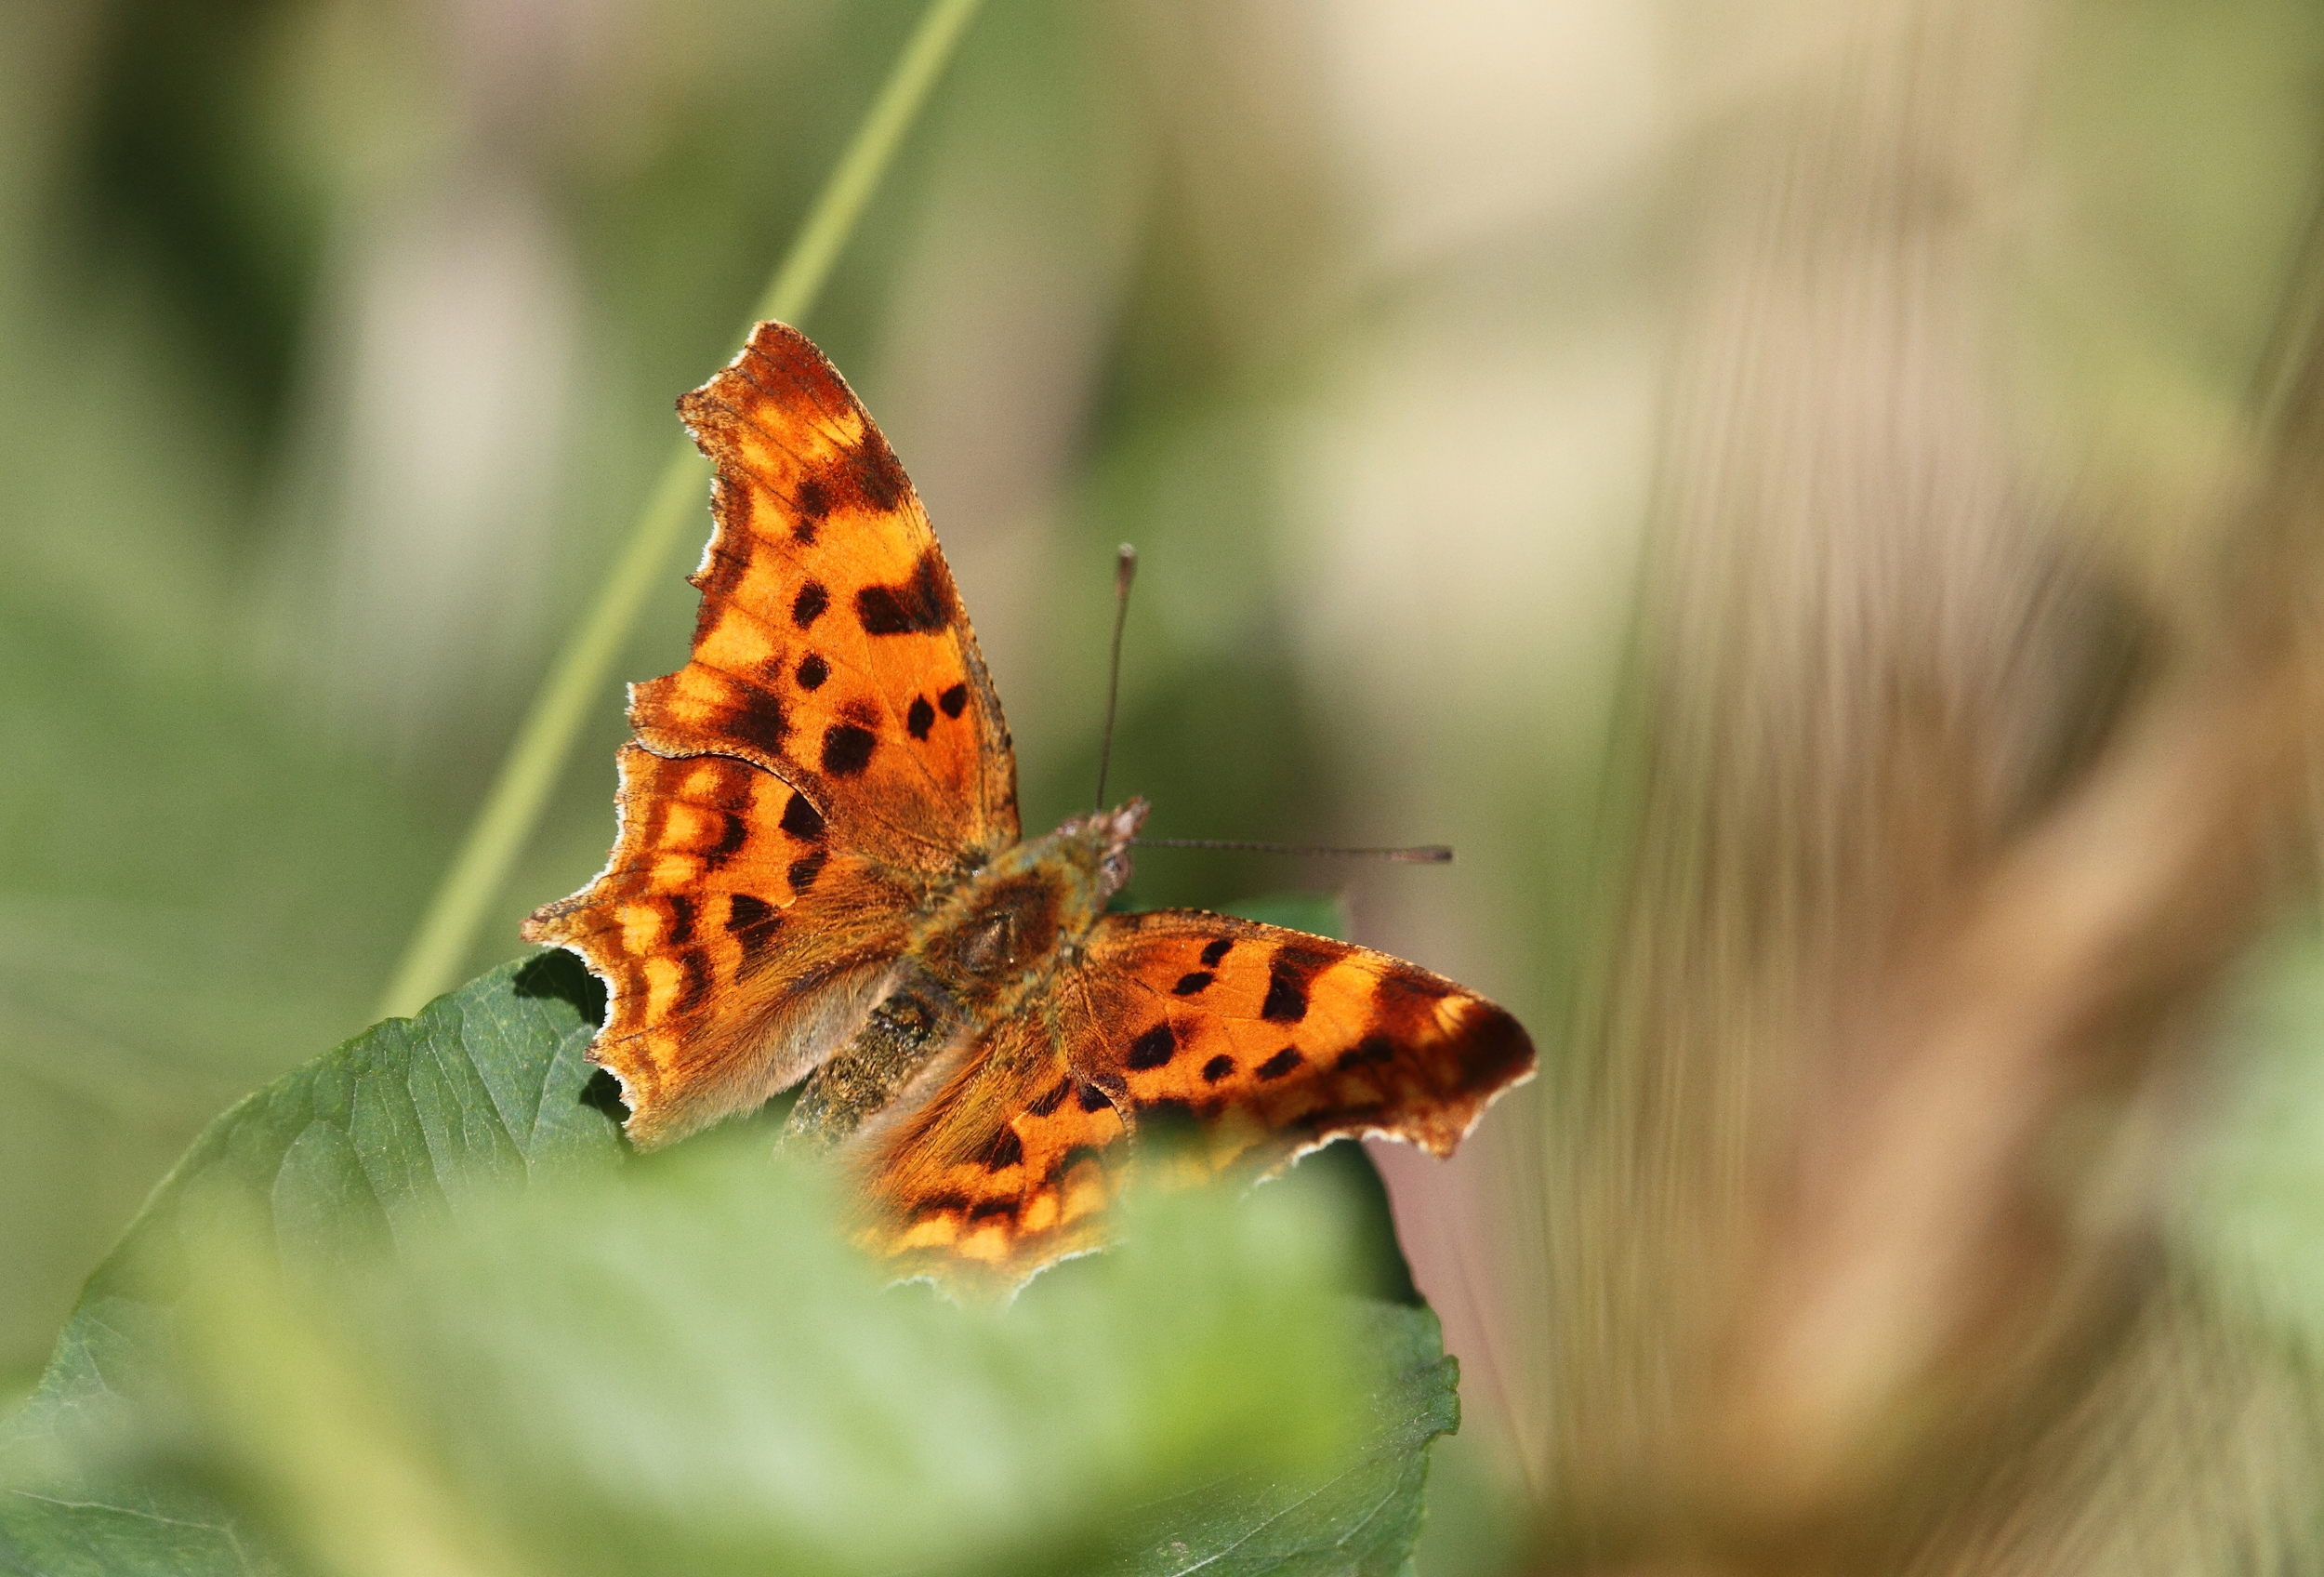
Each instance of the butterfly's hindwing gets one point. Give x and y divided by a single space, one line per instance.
1258 1043
1006 1164
734 941
1183 1039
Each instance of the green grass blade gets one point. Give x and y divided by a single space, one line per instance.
544 742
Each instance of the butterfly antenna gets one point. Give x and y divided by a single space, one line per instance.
1423 854
1125 571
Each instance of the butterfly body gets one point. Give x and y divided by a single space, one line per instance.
982 953
819 877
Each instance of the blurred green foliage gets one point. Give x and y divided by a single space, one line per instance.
2251 1212
412 1307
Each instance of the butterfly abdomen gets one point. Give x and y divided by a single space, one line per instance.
903 1032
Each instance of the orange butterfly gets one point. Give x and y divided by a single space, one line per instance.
818 876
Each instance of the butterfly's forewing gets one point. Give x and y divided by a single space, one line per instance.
832 752
1217 1045
831 648
1256 1043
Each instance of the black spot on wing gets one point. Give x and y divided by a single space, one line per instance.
1091 1098
804 869
916 606
812 671
1407 994
681 919
955 700
1154 1048
1288 975
734 832
991 1208
1494 1048
1287 1001
1368 1052
919 718
813 501
847 750
875 472
808 607
758 723
758 943
742 911
1190 984
1214 953
801 819
1218 1067
1005 1151
1280 1063
1045 1103
694 972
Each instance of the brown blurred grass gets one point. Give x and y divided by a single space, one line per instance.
1960 785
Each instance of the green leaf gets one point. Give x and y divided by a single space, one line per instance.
1364 1518
415 1308
176 924
392 1128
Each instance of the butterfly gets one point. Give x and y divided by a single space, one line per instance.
819 877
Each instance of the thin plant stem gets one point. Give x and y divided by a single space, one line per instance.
544 742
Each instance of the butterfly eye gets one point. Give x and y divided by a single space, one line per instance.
1114 869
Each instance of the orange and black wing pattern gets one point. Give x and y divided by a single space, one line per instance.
831 648
1252 1044
832 750
739 941
1238 1046
1002 1164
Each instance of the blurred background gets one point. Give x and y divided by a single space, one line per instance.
1751 477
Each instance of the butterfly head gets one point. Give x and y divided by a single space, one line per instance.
1100 844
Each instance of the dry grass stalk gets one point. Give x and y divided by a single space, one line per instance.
1935 873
